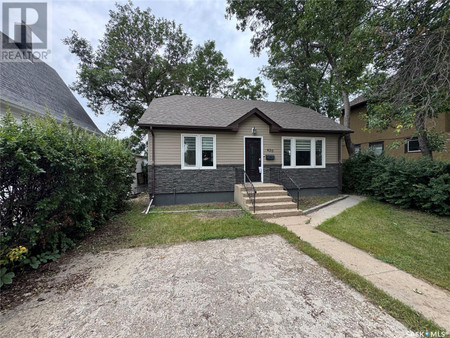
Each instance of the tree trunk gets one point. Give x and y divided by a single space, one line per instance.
419 124
348 140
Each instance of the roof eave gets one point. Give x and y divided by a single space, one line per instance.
233 129
190 127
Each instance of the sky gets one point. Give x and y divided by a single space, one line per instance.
201 20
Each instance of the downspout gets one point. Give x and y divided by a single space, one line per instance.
340 163
153 164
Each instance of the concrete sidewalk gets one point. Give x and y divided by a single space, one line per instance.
431 301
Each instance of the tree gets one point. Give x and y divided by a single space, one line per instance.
243 89
140 57
209 74
316 41
413 63
303 79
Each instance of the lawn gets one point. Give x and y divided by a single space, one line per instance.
412 241
132 228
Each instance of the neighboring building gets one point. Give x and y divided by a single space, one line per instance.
199 147
381 141
140 176
31 87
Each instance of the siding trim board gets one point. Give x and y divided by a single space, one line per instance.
273 126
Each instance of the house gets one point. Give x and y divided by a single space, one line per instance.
31 87
200 147
381 141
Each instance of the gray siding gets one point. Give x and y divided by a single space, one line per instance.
172 179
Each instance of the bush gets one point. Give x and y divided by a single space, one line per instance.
57 183
420 184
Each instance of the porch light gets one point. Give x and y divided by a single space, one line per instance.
254 131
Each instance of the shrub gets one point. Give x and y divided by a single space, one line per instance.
420 184
57 183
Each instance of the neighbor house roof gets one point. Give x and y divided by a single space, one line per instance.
37 87
190 112
360 100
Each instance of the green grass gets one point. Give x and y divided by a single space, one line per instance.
132 228
412 241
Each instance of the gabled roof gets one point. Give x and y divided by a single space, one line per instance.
190 112
35 86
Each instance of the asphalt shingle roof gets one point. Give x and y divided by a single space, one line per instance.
191 111
38 87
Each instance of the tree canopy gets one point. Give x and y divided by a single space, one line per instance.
318 50
142 57
412 84
209 74
244 89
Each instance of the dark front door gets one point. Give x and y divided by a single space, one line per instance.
253 158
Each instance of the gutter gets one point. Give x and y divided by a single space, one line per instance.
153 164
230 128
340 163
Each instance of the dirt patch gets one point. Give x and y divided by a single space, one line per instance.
307 202
50 277
254 286
218 214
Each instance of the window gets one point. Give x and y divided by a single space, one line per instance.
302 152
376 147
287 152
357 148
198 152
412 145
309 152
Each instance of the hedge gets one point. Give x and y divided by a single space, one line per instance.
420 184
57 184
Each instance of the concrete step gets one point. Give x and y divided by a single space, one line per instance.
277 213
274 206
270 193
260 187
268 199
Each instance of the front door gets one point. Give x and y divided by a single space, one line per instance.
253 158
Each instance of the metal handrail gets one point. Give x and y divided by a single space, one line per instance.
253 200
296 186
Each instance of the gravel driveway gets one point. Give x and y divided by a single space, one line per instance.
254 286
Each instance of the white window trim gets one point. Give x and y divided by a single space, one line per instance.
407 146
313 152
198 152
262 156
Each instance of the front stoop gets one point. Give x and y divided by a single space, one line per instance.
271 200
